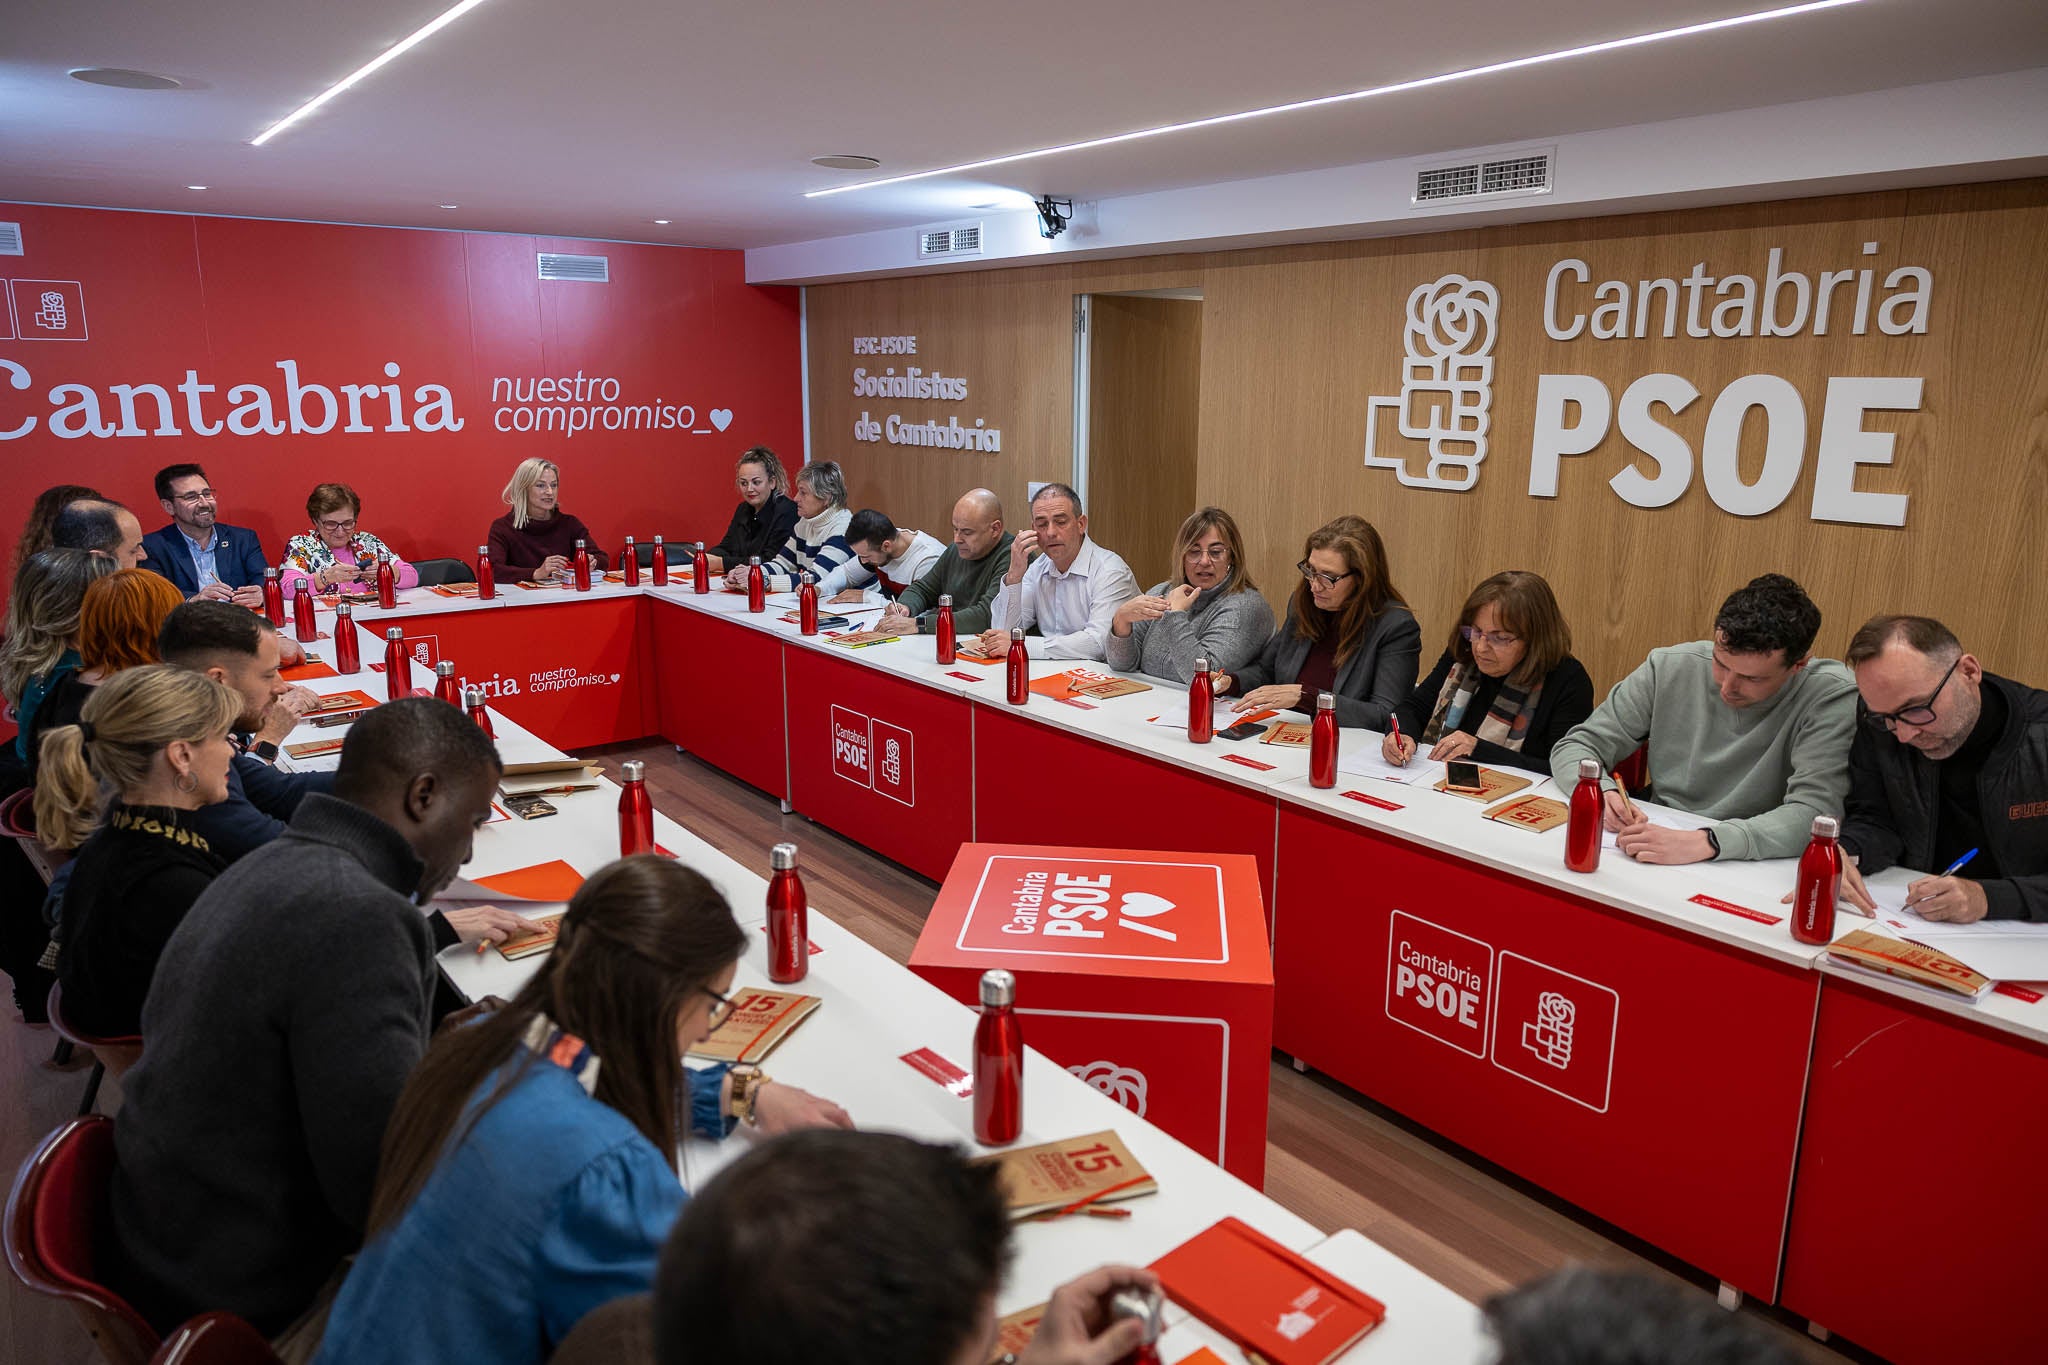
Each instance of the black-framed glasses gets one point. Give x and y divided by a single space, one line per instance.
1328 580
1923 714
195 497
1499 639
721 1009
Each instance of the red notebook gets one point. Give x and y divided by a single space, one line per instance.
1264 1297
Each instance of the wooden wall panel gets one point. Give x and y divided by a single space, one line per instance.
1145 362
1296 341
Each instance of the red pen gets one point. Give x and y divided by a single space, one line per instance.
1394 724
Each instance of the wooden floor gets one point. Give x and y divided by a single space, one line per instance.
1332 1157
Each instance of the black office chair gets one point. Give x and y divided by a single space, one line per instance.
434 572
679 552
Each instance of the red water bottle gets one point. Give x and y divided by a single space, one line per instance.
348 657
1202 705
1588 812
943 628
1820 881
757 586
998 1062
473 703
700 570
789 918
636 811
486 581
1322 743
630 565
273 598
807 606
302 612
445 686
660 563
1017 670
581 561
387 583
397 668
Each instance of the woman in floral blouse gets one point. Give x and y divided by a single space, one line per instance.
334 555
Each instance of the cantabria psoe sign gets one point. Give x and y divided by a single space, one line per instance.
1435 432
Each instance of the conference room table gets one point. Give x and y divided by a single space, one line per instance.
874 1011
1642 1041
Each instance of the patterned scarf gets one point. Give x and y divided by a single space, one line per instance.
310 554
1507 720
550 1043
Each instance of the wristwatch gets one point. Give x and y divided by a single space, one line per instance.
264 750
1712 842
747 1080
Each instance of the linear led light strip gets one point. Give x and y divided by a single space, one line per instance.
389 54
1398 87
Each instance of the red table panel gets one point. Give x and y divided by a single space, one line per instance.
1036 784
1919 1219
1652 1078
719 693
881 760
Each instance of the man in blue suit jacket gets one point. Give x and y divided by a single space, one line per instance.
201 556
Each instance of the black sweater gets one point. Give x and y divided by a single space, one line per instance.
1567 699
762 533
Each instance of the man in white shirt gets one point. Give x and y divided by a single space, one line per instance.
1070 593
886 560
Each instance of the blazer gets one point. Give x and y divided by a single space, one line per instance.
238 557
1370 684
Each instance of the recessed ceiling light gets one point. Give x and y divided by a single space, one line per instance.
846 161
451 206
121 78
195 187
403 45
661 222
1444 78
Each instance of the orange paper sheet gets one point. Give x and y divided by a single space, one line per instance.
552 881
307 671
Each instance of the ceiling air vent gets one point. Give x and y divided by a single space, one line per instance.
1501 177
590 269
10 239
960 241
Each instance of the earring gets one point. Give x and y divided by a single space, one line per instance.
186 782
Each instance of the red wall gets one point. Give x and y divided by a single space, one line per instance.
164 294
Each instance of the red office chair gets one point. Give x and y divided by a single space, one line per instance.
18 822
215 1339
49 1235
1634 770
121 1053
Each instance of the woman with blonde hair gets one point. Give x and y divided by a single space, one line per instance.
42 629
120 786
533 541
335 555
766 517
118 624
1212 610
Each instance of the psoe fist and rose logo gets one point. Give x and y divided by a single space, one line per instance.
1446 397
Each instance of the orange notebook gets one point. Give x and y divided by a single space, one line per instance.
311 669
555 881
1264 1297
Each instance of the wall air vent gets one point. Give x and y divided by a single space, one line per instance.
1524 173
589 269
960 241
10 239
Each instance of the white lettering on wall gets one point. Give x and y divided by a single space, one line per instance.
309 409
923 385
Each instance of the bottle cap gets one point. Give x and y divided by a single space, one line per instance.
395 633
753 559
270 573
472 697
579 544
445 669
1589 770
700 547
629 539
1326 702
782 857
1147 1306
1826 827
945 599
998 987
807 577
484 550
633 770
342 608
657 540
1017 633
1201 665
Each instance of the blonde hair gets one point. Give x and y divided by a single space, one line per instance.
771 465
42 613
133 717
1199 523
523 480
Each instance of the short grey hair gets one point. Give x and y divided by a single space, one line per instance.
825 480
1059 490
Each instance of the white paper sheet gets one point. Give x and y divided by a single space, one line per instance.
1364 761
2002 949
1663 816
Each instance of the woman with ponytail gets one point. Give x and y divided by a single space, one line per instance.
150 747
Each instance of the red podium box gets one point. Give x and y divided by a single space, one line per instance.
1144 973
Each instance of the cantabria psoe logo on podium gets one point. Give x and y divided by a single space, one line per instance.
1446 397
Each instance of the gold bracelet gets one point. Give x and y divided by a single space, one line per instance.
747 1081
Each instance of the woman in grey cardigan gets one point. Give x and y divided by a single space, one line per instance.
1212 611
1346 634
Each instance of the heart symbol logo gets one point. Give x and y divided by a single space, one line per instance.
615 677
721 418
1143 904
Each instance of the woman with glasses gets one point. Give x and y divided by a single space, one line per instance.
766 517
1347 634
1212 610
533 541
529 1173
334 556
1505 689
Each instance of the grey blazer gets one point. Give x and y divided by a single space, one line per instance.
1370 684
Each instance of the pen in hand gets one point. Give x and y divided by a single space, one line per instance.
1953 868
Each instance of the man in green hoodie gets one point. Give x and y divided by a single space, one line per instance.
969 573
1747 729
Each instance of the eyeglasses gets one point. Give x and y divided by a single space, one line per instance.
339 527
1499 639
721 1009
1328 581
1923 714
1219 553
195 497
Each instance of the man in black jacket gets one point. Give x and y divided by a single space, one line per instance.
1949 760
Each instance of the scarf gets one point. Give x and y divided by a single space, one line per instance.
544 1039
1507 720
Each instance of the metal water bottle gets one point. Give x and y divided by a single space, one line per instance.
1582 829
700 570
397 669
998 1062
1322 743
1017 668
1820 881
789 918
757 586
1201 705
636 811
660 563
580 561
630 565
943 628
1146 1306
807 606
473 703
273 598
387 583
445 686
302 612
348 657
486 581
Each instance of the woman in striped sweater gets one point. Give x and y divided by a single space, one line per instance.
818 546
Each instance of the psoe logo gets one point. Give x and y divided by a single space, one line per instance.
1446 396
1082 906
1125 1085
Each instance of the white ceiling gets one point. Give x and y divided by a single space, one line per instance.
594 119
